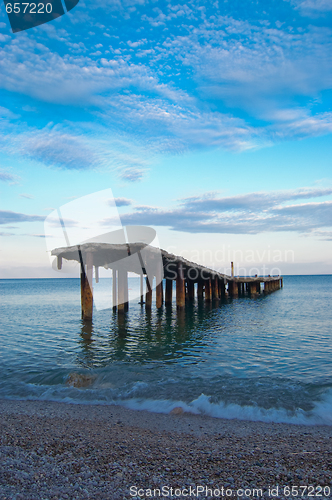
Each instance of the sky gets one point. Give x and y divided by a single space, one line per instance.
210 122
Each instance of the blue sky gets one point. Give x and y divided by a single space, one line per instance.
210 121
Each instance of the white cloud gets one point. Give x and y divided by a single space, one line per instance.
250 85
131 174
122 202
27 196
312 5
7 177
32 69
251 213
8 217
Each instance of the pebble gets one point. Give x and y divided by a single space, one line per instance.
72 455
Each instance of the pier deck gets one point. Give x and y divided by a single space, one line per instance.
159 267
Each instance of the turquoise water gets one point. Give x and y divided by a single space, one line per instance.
259 359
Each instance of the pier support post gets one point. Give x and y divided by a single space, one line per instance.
234 289
180 289
114 294
148 294
159 293
191 289
141 283
253 289
86 288
281 282
122 291
215 289
222 289
200 289
208 290
168 292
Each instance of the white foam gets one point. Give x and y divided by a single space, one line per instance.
321 414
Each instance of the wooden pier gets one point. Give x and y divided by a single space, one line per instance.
153 264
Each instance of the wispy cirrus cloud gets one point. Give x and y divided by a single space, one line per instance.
132 174
7 177
204 80
309 6
84 148
26 196
58 149
8 217
4 234
251 213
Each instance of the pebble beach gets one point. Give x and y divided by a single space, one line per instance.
58 451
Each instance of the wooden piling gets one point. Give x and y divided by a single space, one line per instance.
114 294
215 288
159 287
200 288
168 291
141 288
86 288
208 290
59 262
97 274
253 289
180 288
159 294
191 290
122 291
83 278
222 289
234 289
148 294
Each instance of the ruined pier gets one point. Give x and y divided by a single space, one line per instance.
157 269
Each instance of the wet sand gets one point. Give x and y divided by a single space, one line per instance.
61 451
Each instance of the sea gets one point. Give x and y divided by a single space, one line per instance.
265 359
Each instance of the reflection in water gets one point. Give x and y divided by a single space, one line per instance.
148 335
122 323
263 353
87 330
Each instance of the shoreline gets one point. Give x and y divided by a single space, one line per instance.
66 451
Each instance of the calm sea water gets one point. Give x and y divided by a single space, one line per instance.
263 359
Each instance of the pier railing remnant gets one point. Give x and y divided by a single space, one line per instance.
210 285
